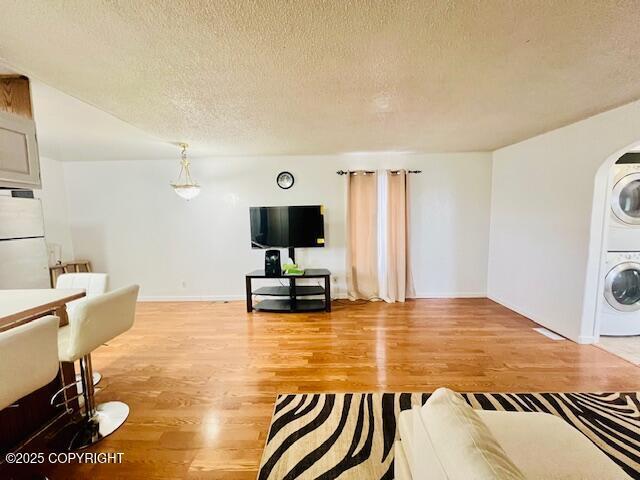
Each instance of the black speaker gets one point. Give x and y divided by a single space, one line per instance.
272 266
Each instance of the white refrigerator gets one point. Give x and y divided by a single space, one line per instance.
24 259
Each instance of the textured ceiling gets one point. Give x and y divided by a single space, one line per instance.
71 130
285 77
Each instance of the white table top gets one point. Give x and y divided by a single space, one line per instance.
17 305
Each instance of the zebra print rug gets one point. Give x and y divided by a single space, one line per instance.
351 435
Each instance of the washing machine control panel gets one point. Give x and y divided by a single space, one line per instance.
627 168
627 256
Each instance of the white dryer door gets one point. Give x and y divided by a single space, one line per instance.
622 287
625 199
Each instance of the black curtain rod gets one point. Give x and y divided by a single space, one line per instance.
347 172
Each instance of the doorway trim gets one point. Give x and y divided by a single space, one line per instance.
595 279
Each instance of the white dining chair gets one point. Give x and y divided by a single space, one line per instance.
95 321
29 360
93 284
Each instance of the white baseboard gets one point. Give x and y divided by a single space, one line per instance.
207 298
339 296
190 298
539 321
515 308
583 339
450 295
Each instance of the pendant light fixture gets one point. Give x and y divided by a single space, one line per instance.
185 186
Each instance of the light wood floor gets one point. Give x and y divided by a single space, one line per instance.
625 347
201 378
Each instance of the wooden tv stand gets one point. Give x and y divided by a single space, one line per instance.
288 298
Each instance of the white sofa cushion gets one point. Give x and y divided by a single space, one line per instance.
401 468
417 448
544 446
464 446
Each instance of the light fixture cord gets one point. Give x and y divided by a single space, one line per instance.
186 162
184 166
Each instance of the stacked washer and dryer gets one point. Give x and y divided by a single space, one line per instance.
620 313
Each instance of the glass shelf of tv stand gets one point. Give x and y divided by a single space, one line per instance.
285 291
286 305
280 298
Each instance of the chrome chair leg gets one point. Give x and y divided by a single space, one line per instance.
99 420
97 376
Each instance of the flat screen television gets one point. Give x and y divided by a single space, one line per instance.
287 227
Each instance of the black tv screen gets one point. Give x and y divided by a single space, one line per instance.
283 227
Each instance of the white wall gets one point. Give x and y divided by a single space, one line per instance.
54 208
127 220
547 215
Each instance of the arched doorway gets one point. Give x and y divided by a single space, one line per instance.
607 286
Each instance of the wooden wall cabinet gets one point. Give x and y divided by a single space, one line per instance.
19 159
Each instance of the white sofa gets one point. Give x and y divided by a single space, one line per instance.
448 440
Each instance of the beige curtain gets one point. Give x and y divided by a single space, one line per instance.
398 281
362 236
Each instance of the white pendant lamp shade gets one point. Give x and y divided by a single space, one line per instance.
185 187
187 191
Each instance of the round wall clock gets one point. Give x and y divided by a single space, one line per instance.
285 180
